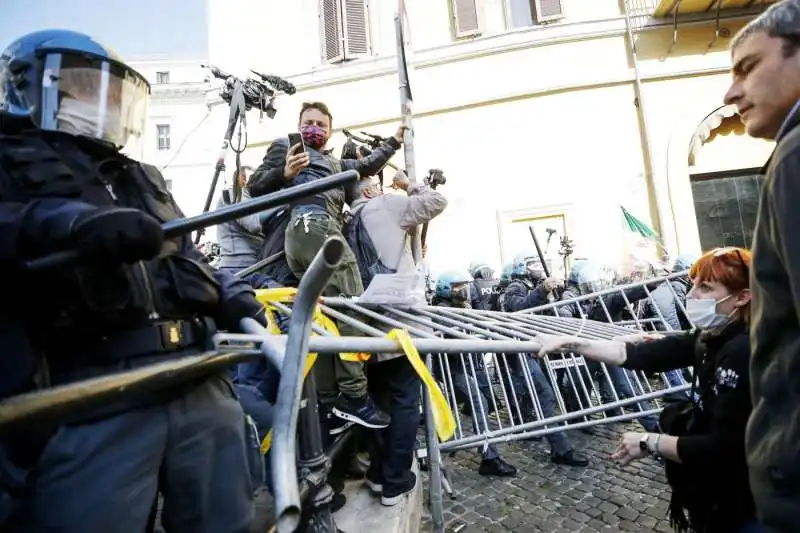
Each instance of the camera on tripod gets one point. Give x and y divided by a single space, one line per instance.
257 93
567 247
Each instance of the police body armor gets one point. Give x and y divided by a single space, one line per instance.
487 291
501 300
86 302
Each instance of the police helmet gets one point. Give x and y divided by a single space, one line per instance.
453 285
528 265
587 276
480 270
505 276
66 81
683 262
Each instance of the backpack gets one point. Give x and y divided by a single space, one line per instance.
367 257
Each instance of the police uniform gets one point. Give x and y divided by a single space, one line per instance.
484 294
133 299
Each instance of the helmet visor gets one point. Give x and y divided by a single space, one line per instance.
94 97
460 292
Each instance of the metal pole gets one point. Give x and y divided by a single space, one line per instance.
60 404
182 226
662 211
406 101
260 264
290 392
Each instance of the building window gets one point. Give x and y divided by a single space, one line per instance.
344 29
162 78
163 136
523 13
726 206
465 18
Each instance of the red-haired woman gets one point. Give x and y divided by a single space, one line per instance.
703 439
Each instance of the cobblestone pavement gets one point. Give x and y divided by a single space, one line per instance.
544 497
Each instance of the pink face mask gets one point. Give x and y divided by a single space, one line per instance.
313 136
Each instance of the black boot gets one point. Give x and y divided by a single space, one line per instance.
571 458
496 467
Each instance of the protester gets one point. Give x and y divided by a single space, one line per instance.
241 240
702 442
388 219
342 384
766 92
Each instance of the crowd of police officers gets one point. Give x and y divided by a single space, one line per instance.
524 284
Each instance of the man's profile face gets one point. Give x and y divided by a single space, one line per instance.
766 83
314 117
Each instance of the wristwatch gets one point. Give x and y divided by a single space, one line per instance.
644 443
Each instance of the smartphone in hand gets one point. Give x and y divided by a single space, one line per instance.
294 139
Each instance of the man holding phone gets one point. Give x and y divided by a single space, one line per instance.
313 220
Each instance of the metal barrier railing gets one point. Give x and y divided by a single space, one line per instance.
482 361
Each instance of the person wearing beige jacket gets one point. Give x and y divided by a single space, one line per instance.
389 220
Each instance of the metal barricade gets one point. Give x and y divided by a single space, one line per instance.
483 361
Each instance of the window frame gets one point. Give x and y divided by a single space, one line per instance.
168 137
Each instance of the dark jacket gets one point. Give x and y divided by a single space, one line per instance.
663 301
615 303
519 295
484 294
268 177
713 455
48 179
773 436
274 228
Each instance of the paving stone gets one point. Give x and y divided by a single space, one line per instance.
626 513
601 498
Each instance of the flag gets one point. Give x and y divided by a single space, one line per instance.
636 225
640 246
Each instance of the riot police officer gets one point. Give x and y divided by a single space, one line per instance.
585 278
469 376
69 108
484 287
528 286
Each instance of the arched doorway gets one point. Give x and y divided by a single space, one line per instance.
717 205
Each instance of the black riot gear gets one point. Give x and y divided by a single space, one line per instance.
484 294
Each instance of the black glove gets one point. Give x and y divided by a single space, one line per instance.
117 235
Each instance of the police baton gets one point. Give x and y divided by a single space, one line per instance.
557 292
539 251
182 226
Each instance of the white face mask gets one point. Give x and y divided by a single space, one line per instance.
703 312
79 118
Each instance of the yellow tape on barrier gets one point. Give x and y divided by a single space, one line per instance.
442 415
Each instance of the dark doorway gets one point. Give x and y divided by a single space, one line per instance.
726 205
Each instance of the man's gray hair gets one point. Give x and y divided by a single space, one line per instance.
356 190
780 20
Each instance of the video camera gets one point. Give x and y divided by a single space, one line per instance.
257 93
435 177
365 145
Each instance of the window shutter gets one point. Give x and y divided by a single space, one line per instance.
330 25
465 18
355 15
548 10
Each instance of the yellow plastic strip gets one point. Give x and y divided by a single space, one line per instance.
442 415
